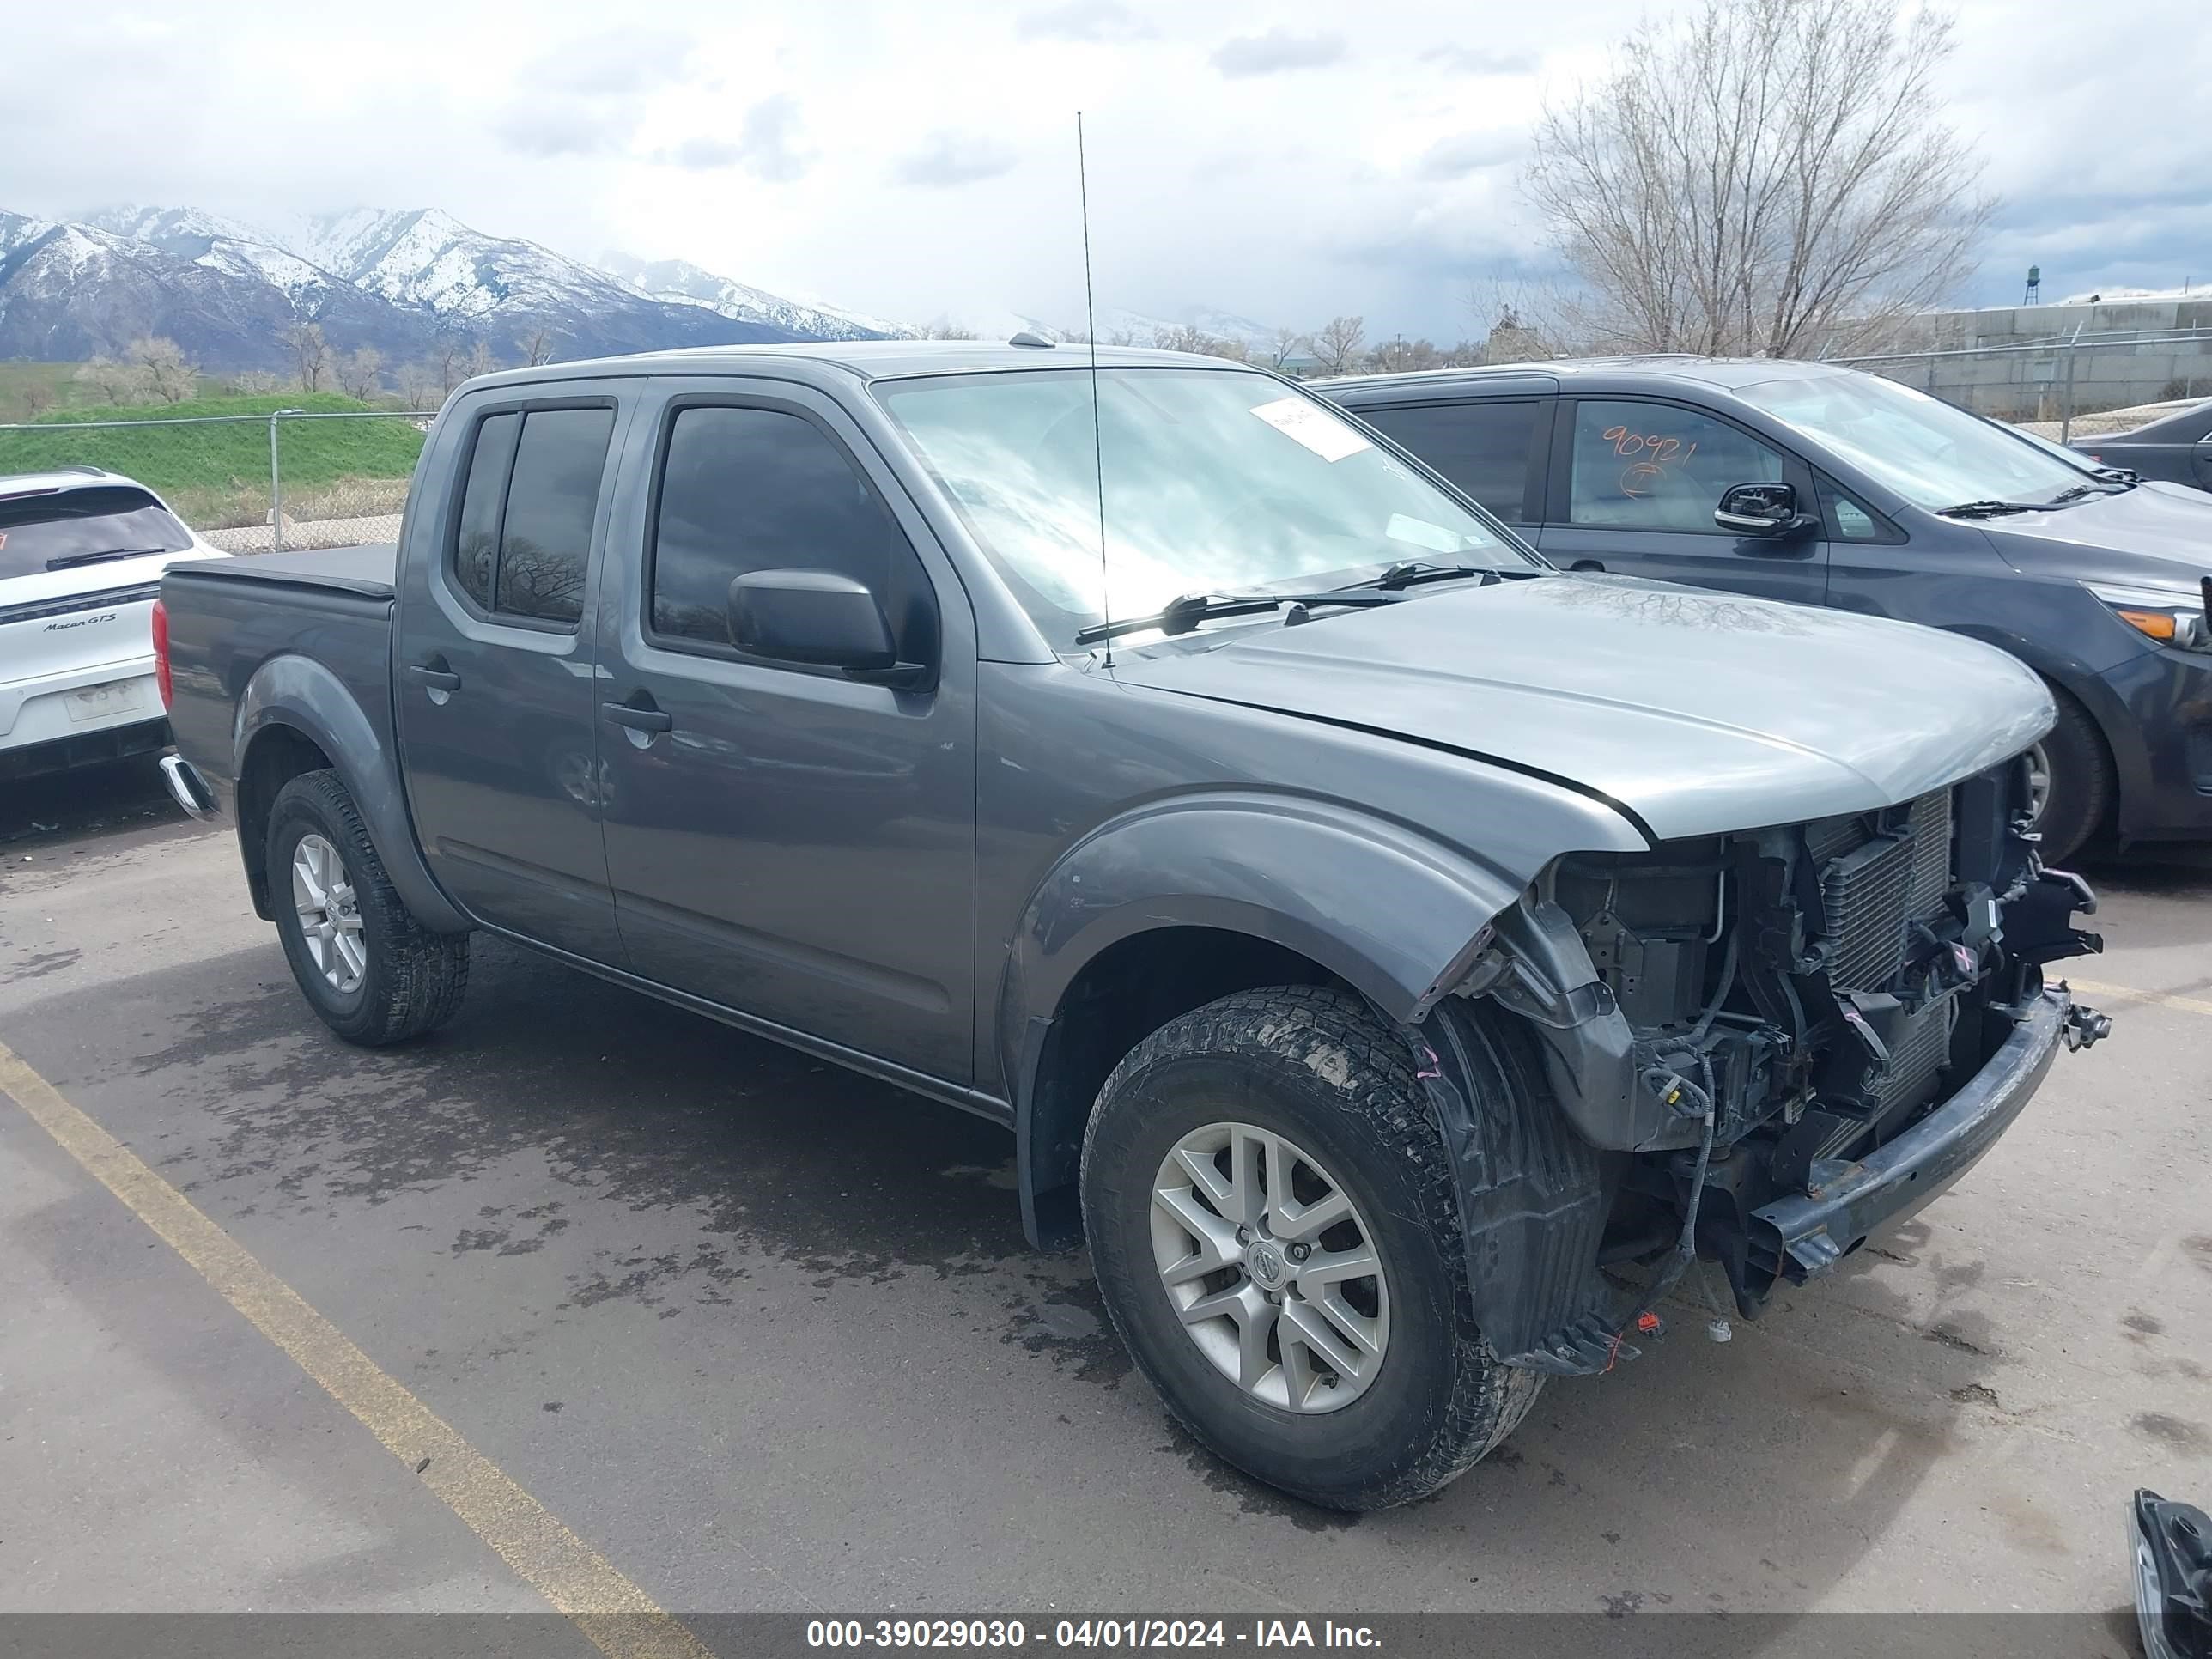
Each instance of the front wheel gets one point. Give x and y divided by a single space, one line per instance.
374 972
1273 1218
2070 784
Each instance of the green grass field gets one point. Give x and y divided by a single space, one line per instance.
216 474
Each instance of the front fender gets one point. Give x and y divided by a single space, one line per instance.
1392 914
298 692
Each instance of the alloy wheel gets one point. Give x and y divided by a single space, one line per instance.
330 913
1271 1267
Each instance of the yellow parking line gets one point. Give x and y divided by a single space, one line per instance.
2164 1000
618 1616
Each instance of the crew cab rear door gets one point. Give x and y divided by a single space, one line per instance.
494 658
784 840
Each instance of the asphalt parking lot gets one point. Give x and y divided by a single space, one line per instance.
767 1337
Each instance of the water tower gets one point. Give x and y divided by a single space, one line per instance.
2035 294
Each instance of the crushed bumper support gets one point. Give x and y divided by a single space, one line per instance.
1809 1232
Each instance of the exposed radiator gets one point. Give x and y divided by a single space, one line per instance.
1876 881
1875 885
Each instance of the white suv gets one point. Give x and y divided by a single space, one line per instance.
82 554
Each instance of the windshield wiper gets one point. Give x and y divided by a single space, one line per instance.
1412 572
2076 492
1988 509
1180 615
70 561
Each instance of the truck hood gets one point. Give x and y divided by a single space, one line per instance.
2155 536
1697 713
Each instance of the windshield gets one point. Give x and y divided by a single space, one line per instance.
1216 481
1932 454
37 530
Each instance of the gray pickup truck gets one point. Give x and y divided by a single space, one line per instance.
1401 960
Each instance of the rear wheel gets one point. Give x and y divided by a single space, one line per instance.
372 972
1276 1232
2071 785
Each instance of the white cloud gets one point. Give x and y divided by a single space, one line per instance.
1276 50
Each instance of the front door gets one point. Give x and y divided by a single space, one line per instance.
1633 491
784 840
493 669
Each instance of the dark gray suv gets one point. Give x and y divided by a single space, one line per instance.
1865 495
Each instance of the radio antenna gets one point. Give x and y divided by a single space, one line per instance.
1090 330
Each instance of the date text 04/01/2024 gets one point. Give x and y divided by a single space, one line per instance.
988 1634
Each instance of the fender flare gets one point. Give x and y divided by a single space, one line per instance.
298 692
1395 914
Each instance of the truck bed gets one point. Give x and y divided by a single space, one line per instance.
330 612
368 571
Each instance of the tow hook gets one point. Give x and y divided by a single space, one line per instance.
2084 1028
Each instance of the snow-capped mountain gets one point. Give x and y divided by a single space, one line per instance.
77 290
685 283
223 244
402 281
428 260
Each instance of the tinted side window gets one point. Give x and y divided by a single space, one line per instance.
1483 447
545 540
483 496
745 489
1658 466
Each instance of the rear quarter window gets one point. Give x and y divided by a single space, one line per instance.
522 539
1484 446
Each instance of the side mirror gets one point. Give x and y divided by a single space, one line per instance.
820 618
1758 509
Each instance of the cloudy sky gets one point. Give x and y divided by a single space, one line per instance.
1287 161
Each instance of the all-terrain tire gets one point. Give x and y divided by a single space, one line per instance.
1321 1068
414 979
2082 784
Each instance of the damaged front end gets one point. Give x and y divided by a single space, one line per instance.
1767 1044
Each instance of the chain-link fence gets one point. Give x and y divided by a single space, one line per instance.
251 483
2066 385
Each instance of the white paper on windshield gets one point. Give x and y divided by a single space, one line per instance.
1421 533
1312 426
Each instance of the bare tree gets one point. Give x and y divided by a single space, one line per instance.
1768 177
1336 344
1287 344
361 375
945 328
114 382
538 346
1399 355
39 397
162 365
481 361
453 359
256 383
310 354
421 385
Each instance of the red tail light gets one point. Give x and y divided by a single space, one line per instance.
161 654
